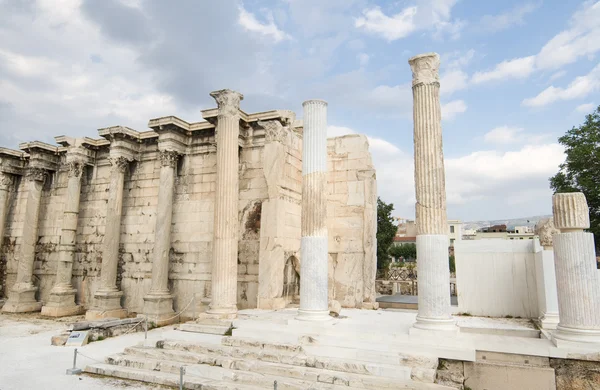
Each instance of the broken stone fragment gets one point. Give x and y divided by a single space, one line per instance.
334 308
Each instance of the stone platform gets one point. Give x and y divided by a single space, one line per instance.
364 349
400 301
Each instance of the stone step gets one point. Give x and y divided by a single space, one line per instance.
204 328
259 344
397 371
263 374
164 378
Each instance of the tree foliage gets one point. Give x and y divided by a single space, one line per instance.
581 170
407 251
386 230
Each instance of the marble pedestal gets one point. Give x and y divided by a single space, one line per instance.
159 309
108 305
60 304
22 300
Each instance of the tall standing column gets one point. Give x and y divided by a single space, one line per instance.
433 272
108 296
62 296
158 304
6 182
22 295
314 255
225 243
577 281
546 275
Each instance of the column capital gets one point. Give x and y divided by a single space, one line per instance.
6 181
228 101
570 211
425 69
75 168
36 174
168 158
119 163
545 229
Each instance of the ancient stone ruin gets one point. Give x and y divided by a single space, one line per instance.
200 217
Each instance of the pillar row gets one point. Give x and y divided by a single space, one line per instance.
432 227
108 297
62 296
158 303
577 282
22 295
226 225
314 253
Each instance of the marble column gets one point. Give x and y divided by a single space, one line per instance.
577 280
226 226
158 303
108 297
62 296
314 254
546 275
6 182
433 273
21 297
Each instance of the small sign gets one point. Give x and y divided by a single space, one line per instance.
78 338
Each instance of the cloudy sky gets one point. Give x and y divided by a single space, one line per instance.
515 76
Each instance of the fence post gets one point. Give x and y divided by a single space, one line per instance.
181 371
74 370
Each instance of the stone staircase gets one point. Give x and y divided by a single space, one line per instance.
240 363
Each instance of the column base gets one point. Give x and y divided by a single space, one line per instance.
549 321
565 336
159 309
22 300
227 313
62 304
427 325
313 315
108 305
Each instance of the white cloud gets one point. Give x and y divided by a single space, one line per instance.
248 21
432 15
509 18
557 75
577 41
451 109
580 87
363 59
390 28
585 108
458 59
452 81
502 135
515 68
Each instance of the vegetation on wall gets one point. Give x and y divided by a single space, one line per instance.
581 170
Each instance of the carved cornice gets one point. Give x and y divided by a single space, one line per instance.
6 181
228 101
36 174
425 69
273 131
119 164
168 158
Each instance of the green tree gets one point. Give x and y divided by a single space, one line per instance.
581 170
386 230
452 263
407 251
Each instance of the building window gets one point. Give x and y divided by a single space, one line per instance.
451 229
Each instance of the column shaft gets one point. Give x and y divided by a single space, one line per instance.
314 251
22 295
108 296
6 181
432 227
62 296
577 281
226 225
159 302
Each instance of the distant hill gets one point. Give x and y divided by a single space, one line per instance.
510 223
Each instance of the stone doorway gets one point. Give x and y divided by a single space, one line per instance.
291 281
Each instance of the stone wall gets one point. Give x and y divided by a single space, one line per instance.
270 191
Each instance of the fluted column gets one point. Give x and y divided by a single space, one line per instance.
62 296
22 295
158 304
577 280
225 243
108 296
314 256
433 272
6 182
